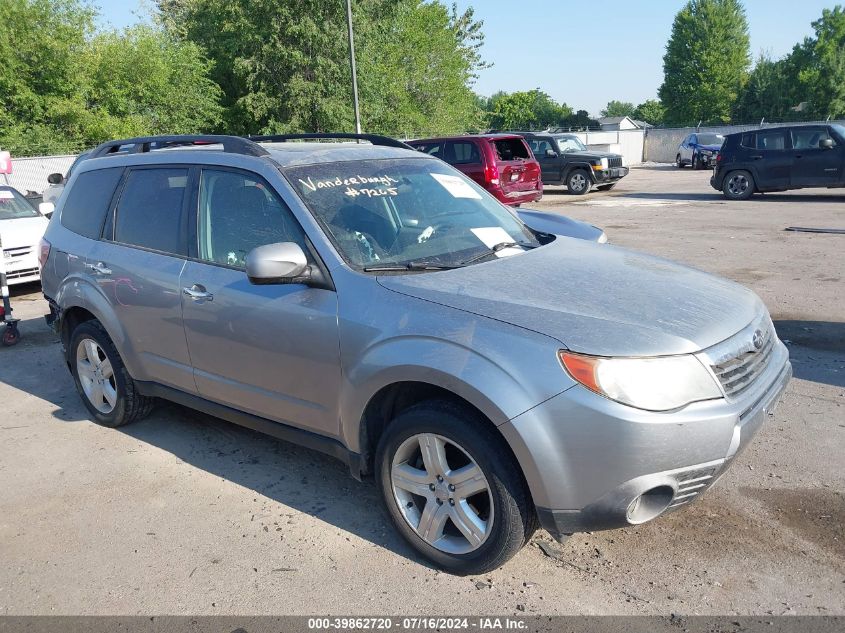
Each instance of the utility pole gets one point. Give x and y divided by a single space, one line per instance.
352 64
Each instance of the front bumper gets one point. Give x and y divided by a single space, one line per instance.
21 265
590 462
607 176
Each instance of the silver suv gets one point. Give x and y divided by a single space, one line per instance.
373 303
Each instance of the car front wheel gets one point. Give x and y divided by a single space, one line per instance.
679 163
738 185
452 488
578 182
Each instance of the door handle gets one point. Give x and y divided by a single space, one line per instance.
198 293
799 156
100 268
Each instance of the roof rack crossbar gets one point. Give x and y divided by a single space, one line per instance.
141 144
375 139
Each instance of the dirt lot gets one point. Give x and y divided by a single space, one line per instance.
182 514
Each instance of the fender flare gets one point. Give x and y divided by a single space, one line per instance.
580 165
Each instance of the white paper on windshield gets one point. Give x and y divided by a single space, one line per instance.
457 186
6 195
492 235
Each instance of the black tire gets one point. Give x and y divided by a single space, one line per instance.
11 335
696 162
130 405
578 182
738 185
679 163
514 517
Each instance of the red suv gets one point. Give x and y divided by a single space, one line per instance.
501 163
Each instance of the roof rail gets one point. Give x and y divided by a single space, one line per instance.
375 139
231 144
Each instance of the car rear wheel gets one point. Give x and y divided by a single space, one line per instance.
452 488
578 182
106 388
738 185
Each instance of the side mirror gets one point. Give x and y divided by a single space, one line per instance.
280 263
46 208
826 143
550 153
55 179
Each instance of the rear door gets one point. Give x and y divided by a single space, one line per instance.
465 156
769 157
518 171
812 165
137 266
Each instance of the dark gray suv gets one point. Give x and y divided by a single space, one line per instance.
373 303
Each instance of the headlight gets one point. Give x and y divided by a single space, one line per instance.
603 163
654 384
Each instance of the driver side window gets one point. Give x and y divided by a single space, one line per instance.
238 212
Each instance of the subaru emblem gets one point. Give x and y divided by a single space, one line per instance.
757 339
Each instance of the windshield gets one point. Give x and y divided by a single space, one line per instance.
13 206
570 144
710 139
406 211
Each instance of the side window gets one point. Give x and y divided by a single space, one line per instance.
749 140
239 212
149 213
773 140
435 149
87 202
809 137
465 153
539 147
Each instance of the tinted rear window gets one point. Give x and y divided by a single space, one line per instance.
88 201
511 149
149 213
773 140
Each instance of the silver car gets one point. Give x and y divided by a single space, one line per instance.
373 303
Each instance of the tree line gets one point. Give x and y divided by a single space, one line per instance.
277 66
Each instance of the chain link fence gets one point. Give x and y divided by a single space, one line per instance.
30 174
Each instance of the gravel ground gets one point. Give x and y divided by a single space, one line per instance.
185 514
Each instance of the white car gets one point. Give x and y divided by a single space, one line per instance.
21 229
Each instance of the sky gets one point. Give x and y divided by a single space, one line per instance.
581 52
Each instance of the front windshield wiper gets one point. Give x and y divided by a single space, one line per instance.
495 249
421 265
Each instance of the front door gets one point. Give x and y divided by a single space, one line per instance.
814 166
270 350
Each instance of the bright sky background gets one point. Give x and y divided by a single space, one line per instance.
583 52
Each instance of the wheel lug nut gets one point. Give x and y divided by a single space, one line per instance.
451 502
439 478
431 487
451 487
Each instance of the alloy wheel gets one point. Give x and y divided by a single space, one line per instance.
577 182
96 375
442 493
738 184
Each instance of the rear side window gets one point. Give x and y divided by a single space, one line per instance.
511 149
88 200
749 140
774 140
464 153
149 213
433 148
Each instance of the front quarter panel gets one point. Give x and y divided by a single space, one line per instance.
386 337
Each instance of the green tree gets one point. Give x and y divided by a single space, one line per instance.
820 62
527 110
706 61
769 93
618 108
283 65
651 111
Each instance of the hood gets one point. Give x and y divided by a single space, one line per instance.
594 299
23 231
557 224
591 155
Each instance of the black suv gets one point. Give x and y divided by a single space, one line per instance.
780 158
565 160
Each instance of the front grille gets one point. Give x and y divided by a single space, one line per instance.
19 274
691 484
739 372
19 251
615 161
